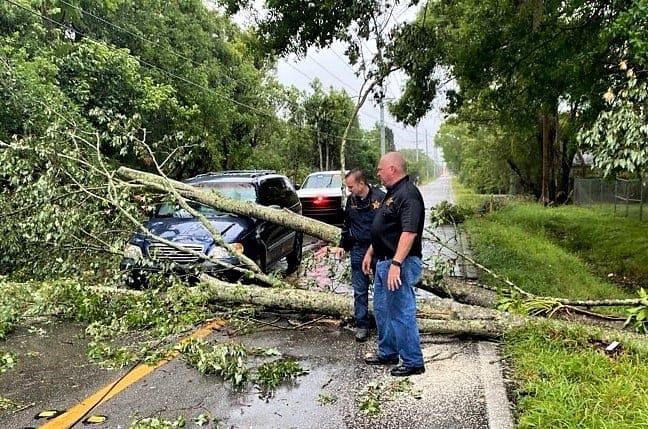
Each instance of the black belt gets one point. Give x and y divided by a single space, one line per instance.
383 258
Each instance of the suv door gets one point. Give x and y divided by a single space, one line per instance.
278 239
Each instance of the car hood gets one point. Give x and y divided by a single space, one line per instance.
193 231
319 192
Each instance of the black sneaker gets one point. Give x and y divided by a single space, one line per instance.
377 360
361 335
404 371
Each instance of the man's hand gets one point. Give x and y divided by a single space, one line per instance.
337 252
393 278
366 262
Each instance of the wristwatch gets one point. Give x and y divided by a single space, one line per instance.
395 262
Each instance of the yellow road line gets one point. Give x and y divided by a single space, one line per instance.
67 419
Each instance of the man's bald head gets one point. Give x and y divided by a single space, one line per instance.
391 168
397 160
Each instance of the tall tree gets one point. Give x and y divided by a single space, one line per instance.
531 64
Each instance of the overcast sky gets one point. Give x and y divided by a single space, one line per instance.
331 67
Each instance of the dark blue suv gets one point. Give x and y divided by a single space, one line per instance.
264 242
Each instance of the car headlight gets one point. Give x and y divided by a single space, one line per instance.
237 247
218 253
132 252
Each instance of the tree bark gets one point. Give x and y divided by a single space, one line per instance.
321 156
327 156
527 184
433 317
547 161
459 291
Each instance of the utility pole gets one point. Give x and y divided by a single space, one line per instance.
427 155
382 124
417 158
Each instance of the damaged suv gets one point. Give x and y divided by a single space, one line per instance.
264 242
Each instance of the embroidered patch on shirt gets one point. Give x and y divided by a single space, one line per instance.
375 204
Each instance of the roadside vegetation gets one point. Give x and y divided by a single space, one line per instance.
565 251
566 379
89 87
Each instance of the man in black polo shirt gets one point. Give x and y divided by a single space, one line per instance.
396 234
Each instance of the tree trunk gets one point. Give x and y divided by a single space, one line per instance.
528 185
433 317
321 156
547 160
459 291
327 156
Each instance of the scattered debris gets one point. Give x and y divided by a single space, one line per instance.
7 361
7 404
379 392
158 423
234 363
326 398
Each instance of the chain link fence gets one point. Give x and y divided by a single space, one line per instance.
622 197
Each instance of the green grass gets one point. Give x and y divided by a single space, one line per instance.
633 211
535 263
586 241
565 380
567 251
466 197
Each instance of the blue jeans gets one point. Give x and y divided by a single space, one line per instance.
395 313
360 282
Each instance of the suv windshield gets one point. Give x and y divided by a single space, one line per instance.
237 191
322 181
172 209
241 191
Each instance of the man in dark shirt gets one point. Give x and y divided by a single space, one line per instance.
356 237
396 234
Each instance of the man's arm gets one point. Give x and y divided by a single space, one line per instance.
405 243
366 261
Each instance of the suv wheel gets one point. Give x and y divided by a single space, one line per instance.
136 279
294 258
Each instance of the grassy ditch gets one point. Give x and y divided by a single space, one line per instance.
613 247
535 262
566 379
566 251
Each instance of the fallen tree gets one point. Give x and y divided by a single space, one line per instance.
458 291
312 227
434 317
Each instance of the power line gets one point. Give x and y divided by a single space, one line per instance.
332 74
272 115
343 60
113 25
178 55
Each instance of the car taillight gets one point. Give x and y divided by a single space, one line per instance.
320 200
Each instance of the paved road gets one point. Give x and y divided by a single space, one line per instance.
462 386
433 193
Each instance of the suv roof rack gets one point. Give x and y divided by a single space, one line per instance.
251 173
